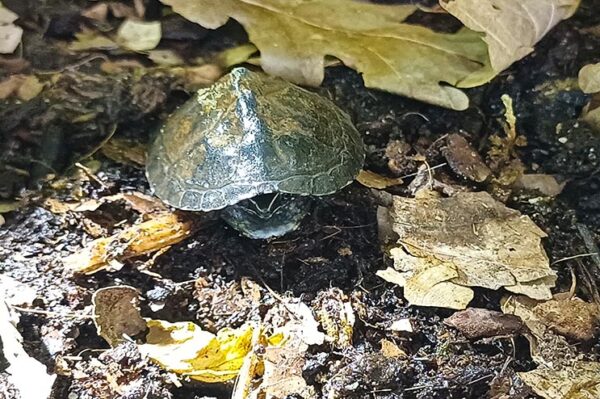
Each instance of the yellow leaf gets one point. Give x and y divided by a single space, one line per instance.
186 349
295 37
511 27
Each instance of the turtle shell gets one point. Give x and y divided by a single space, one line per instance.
250 134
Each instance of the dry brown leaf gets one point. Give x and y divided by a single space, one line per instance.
125 151
580 380
374 180
295 37
572 318
24 87
464 160
447 245
589 78
161 231
117 313
544 184
511 27
483 323
390 349
589 82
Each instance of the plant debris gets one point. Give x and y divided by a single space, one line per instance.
161 231
476 323
117 313
489 246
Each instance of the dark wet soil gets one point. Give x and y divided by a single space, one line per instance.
336 246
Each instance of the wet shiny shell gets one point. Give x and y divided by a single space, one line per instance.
251 134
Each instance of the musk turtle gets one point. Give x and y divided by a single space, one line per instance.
257 146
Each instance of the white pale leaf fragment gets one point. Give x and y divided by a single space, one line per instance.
139 36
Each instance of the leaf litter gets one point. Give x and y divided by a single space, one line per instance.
447 245
283 353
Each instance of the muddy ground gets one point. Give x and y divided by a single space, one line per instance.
336 247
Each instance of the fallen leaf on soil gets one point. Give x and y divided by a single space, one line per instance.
294 38
139 202
125 151
464 160
589 82
10 34
117 313
572 318
390 349
284 357
91 40
589 78
511 28
24 87
374 180
336 316
18 367
476 323
161 231
197 77
447 245
165 57
139 35
544 184
580 380
184 348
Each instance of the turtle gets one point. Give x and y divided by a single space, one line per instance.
257 147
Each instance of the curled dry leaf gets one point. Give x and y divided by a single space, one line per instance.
476 323
295 37
511 28
447 245
464 160
117 313
161 231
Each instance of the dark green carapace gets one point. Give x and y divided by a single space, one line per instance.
251 134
